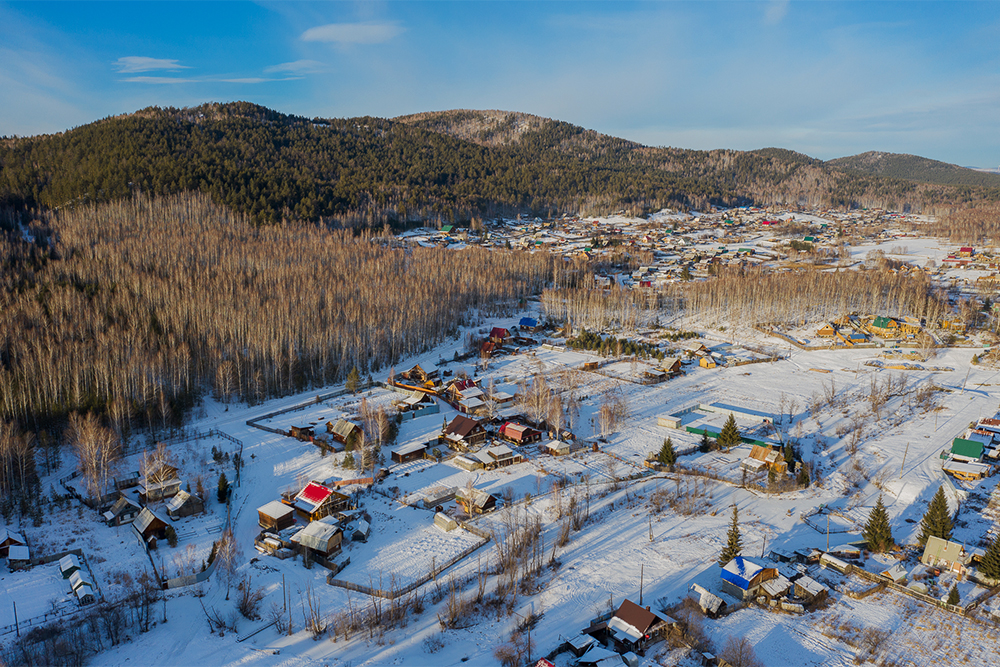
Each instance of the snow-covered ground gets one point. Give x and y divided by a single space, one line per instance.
623 546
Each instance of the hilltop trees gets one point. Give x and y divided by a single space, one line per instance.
734 541
937 518
877 531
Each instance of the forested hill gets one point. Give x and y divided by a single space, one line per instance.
451 166
916 168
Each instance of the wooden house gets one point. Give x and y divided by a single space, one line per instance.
557 447
633 627
8 539
743 578
320 537
519 434
475 501
885 327
498 456
159 482
69 564
810 590
342 430
184 504
711 604
82 587
707 362
149 528
499 335
409 452
671 366
316 501
466 395
123 511
773 459
275 516
18 557
421 374
464 432
949 556
826 331
911 325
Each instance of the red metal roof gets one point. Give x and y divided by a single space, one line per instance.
315 493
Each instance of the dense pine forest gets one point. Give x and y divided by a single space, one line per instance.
447 166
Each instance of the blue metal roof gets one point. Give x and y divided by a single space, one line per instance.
739 572
528 322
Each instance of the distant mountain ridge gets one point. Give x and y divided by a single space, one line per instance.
447 165
915 168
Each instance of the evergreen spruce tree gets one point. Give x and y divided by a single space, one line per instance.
706 444
223 491
937 519
953 596
730 435
349 461
734 542
789 453
667 455
877 531
353 380
989 567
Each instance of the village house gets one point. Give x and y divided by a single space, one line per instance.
826 331
316 501
342 430
707 362
945 555
421 374
69 564
809 590
499 335
149 528
711 604
409 452
303 433
158 483
671 366
886 327
498 456
632 627
743 578
123 511
82 587
556 448
8 539
519 434
320 538
466 396
475 501
464 432
762 458
275 516
18 557
184 504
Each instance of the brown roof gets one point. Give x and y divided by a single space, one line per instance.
636 616
462 426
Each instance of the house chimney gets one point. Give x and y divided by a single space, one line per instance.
647 607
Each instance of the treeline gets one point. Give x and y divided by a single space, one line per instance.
752 297
979 225
358 171
131 310
448 167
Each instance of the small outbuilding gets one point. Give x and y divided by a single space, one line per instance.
124 511
184 504
69 564
275 516
445 522
19 557
149 528
409 452
320 537
8 539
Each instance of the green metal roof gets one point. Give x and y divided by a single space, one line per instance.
882 322
971 448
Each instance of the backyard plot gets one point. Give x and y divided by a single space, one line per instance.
403 546
38 591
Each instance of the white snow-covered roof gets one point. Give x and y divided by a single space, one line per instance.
68 562
7 534
409 448
621 630
18 552
776 587
316 535
276 509
810 585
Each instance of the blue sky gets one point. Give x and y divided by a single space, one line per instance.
824 78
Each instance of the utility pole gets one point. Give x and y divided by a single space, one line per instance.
904 460
642 570
828 533
17 627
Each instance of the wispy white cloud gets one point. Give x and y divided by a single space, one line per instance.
297 67
137 64
353 33
775 12
158 79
